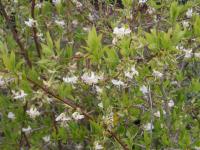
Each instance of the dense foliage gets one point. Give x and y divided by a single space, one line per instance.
88 74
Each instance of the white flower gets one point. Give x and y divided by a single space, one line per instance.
120 32
75 22
189 13
134 71
157 74
131 73
38 5
144 89
171 103
26 130
33 112
114 41
148 127
2 81
97 146
56 2
100 105
19 95
98 89
60 23
11 115
118 82
142 1
46 138
188 53
185 24
31 22
91 78
91 17
77 116
77 3
157 114
62 117
72 79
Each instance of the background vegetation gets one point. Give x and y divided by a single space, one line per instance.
101 74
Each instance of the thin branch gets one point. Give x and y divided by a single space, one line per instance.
15 35
78 107
35 37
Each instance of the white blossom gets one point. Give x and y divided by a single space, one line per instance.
157 74
11 115
114 41
130 73
148 127
38 5
157 114
98 89
97 146
19 95
27 130
77 116
100 105
60 23
63 117
118 82
77 3
91 78
56 2
185 24
72 79
46 138
75 22
31 22
144 89
171 103
120 32
189 13
33 112
142 1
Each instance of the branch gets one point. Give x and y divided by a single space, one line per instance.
15 35
35 37
78 107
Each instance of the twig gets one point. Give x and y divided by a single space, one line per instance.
15 35
78 107
35 37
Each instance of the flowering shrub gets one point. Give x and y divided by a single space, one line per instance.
108 74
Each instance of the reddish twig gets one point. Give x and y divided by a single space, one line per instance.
15 35
77 107
35 37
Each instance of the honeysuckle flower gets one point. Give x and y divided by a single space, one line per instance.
171 103
142 1
97 146
56 2
31 22
27 130
33 112
148 127
91 78
185 24
63 117
98 89
189 13
11 115
72 79
60 23
157 114
120 32
118 82
46 138
134 71
77 3
77 116
144 89
100 105
19 95
157 74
